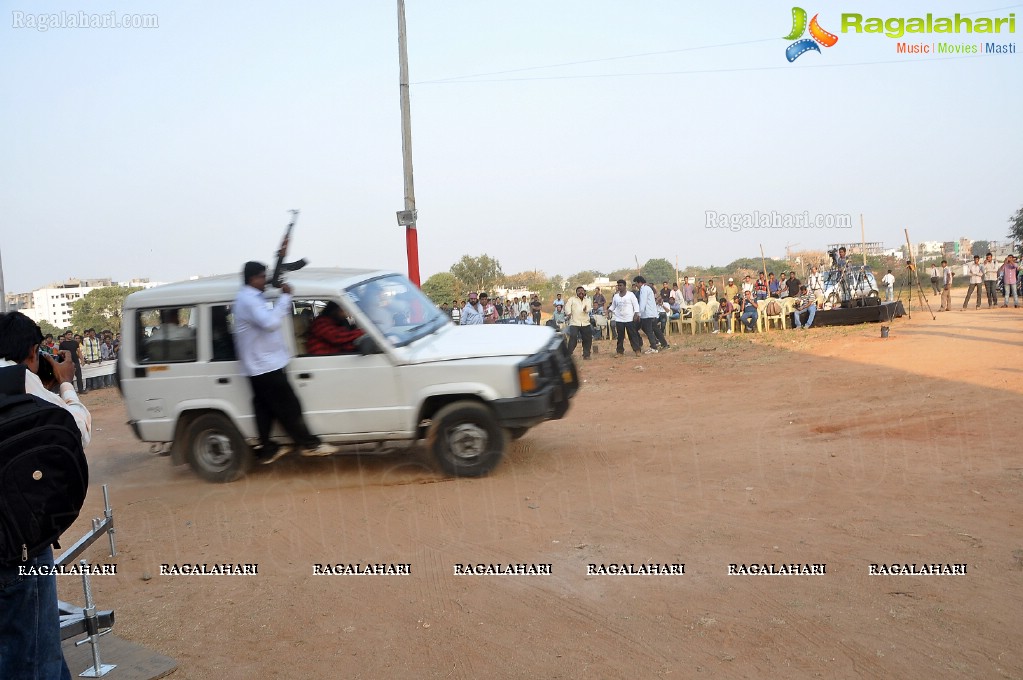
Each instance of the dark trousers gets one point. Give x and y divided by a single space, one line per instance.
536 318
623 328
653 332
78 377
273 399
30 623
969 292
992 294
573 337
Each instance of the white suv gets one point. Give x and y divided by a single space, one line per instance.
416 376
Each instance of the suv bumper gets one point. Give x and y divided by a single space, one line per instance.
550 402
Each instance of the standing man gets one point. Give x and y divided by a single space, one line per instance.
577 311
946 287
889 286
648 314
489 309
731 290
990 279
29 618
264 354
815 282
975 270
935 279
535 308
625 311
1011 273
794 285
92 354
472 313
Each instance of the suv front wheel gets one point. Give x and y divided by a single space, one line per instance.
466 439
216 450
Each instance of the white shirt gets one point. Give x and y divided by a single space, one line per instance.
623 308
67 400
976 271
990 270
257 331
647 305
471 315
888 279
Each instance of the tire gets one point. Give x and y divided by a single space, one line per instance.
832 301
465 439
517 432
215 449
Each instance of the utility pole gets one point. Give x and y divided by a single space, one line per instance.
407 217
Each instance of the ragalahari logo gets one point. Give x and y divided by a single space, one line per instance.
817 35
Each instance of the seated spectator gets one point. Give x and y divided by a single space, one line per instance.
599 302
723 317
559 315
807 302
749 312
663 312
331 333
524 318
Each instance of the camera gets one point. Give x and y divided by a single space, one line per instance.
45 372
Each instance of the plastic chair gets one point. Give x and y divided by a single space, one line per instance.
778 318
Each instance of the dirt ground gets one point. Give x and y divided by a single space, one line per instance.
830 446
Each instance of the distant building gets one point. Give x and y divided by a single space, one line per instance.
52 304
925 248
870 247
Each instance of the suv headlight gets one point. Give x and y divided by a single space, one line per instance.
529 378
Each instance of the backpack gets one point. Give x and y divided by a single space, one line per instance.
773 308
44 475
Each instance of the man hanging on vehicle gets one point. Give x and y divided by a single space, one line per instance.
264 354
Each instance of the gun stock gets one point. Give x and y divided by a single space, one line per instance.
282 267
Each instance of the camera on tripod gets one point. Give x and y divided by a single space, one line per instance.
834 257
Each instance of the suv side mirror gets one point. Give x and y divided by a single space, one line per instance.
367 345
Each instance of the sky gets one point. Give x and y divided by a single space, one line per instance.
554 136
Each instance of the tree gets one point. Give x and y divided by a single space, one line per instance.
583 278
1016 227
478 273
658 270
49 329
534 280
980 248
100 308
442 287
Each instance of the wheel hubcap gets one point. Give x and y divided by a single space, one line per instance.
214 450
467 440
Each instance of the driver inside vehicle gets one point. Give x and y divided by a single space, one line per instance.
332 333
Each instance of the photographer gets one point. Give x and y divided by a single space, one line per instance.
29 619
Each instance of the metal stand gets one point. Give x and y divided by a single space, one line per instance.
99 527
97 670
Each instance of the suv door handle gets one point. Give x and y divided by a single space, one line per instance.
223 381
305 376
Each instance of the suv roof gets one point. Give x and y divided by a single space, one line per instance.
311 281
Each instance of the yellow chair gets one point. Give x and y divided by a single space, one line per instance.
707 317
789 306
691 320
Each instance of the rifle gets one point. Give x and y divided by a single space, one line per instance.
282 267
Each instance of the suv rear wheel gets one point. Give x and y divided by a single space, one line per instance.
466 439
215 449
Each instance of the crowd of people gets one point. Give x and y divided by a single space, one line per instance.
88 347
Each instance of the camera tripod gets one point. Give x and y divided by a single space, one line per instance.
913 277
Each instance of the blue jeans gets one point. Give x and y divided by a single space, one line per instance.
30 624
809 320
749 320
889 293
1010 291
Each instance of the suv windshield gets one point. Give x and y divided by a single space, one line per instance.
398 308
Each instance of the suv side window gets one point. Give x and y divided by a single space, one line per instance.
166 335
222 335
303 313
